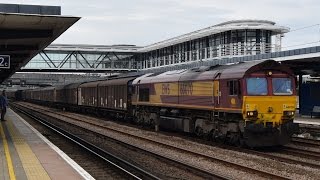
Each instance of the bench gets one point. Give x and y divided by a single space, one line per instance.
315 110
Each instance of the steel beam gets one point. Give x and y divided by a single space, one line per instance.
65 59
102 60
86 60
45 60
7 48
25 33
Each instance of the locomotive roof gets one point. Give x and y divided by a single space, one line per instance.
234 71
120 81
89 84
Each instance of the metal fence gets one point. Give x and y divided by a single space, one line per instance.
226 60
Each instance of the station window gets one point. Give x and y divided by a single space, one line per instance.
144 94
234 87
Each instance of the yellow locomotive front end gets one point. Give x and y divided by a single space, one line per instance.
268 109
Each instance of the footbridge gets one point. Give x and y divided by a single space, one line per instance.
83 58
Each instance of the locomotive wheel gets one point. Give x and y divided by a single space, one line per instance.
235 139
240 142
151 123
199 131
214 135
140 120
136 118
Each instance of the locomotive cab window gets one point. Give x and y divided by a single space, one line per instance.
234 87
282 86
144 94
257 86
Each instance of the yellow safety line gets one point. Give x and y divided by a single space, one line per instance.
31 165
7 153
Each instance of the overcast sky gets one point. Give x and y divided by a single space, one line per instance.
143 22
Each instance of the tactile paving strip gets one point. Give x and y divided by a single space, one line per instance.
7 154
30 162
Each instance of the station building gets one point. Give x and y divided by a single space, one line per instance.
228 39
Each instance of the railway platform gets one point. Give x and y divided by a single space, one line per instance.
307 120
25 154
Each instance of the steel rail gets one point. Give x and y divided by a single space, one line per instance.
311 142
302 153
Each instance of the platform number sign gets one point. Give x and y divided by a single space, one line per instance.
4 61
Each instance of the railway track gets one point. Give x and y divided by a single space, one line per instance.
129 170
312 129
302 153
277 155
234 165
291 160
306 142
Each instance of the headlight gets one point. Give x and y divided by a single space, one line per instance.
288 113
252 113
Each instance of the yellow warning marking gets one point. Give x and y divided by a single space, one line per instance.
30 162
61 154
7 153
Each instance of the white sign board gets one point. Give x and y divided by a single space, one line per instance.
4 62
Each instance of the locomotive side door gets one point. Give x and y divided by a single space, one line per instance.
79 97
216 90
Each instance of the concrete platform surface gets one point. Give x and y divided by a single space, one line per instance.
25 154
307 120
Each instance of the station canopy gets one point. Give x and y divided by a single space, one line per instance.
24 35
304 65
